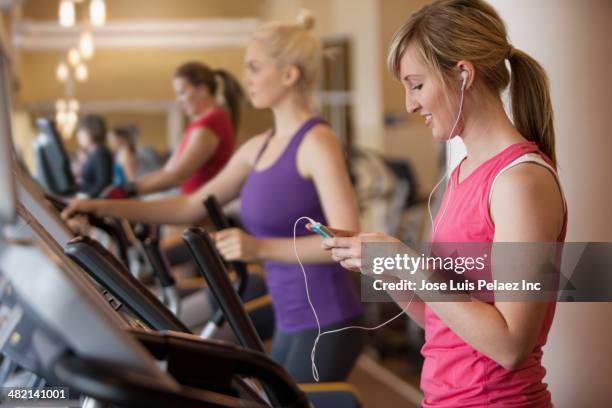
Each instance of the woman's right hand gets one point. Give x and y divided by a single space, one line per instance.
346 246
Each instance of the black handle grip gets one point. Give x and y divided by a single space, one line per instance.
149 236
220 222
212 268
158 262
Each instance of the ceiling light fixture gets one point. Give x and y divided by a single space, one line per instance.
81 72
86 45
61 72
97 12
67 13
74 57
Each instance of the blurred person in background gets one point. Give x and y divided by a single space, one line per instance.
123 146
96 173
211 99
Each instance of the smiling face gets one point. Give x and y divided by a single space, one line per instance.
266 83
192 100
426 96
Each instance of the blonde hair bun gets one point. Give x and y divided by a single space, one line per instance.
294 44
306 19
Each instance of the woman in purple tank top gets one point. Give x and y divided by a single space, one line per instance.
295 170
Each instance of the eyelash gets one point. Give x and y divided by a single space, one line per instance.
417 87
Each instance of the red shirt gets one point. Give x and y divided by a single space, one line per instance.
219 123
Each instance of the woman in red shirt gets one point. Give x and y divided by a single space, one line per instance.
209 140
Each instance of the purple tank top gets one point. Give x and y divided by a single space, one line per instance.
271 201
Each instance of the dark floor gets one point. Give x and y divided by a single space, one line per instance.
378 386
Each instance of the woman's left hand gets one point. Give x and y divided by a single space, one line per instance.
80 206
347 250
78 224
236 245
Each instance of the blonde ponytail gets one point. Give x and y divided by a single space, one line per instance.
531 105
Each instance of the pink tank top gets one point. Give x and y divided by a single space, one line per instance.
455 374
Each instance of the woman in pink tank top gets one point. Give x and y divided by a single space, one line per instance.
451 59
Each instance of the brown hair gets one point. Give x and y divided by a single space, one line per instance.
126 134
95 126
448 31
198 74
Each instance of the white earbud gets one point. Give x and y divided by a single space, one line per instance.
464 75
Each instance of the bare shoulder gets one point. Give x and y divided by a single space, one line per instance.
202 133
321 137
320 145
527 178
249 149
203 136
320 152
529 193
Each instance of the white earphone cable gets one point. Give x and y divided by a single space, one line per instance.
447 173
315 372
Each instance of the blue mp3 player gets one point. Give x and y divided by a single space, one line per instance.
322 230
